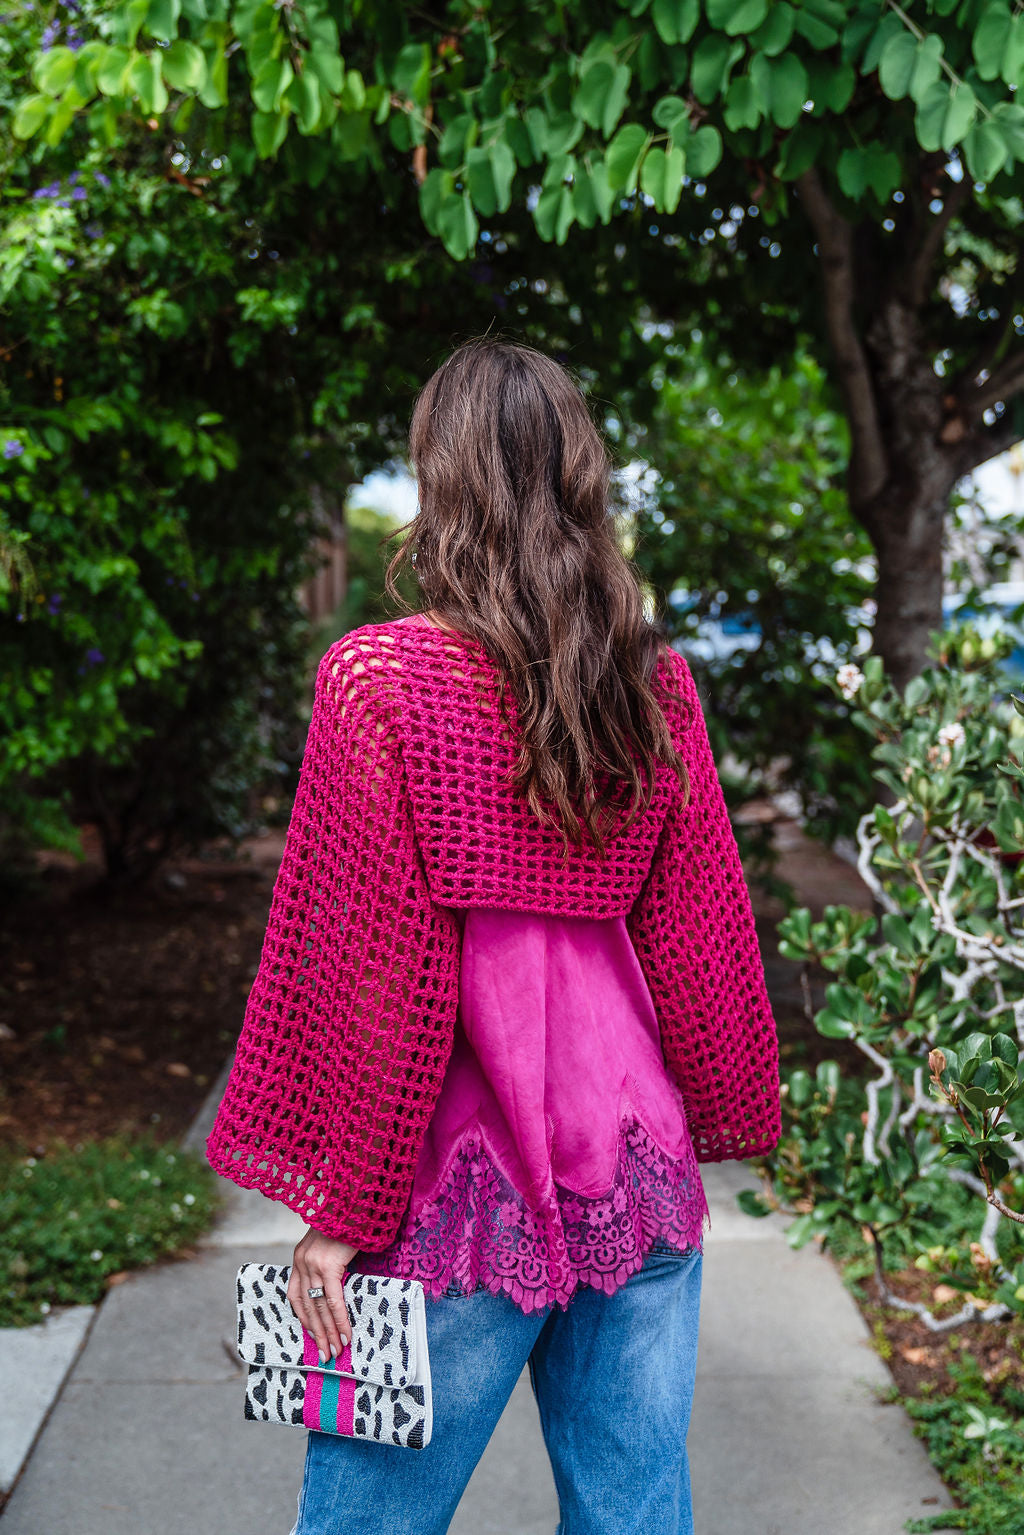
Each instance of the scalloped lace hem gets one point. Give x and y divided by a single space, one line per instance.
477 1230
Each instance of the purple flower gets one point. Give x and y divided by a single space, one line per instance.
74 177
13 448
79 194
93 231
63 202
102 178
74 40
50 34
52 190
54 603
94 656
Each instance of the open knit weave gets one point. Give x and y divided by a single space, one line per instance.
405 808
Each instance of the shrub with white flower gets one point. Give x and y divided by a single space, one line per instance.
850 680
923 1150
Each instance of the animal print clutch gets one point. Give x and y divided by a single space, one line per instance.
379 1387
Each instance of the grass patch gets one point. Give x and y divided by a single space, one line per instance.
78 1214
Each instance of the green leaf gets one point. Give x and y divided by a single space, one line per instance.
329 68
480 181
832 1026
214 93
992 38
821 22
602 95
869 167
583 200
270 82
53 70
713 59
749 1201
615 102
459 135
800 1231
776 30
1010 117
671 113
601 190
438 186
736 16
412 75
624 155
781 86
896 66
162 19
269 131
742 104
927 67
147 82
986 151
800 149
703 151
113 67
960 114
303 95
661 177
675 20
30 115
457 226
503 170
554 213
184 66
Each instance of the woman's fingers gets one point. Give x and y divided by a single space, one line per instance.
305 1309
321 1262
339 1328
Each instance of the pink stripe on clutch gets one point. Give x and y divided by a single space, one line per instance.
314 1382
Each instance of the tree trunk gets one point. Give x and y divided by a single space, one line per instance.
908 542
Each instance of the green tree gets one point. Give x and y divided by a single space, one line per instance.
839 171
744 526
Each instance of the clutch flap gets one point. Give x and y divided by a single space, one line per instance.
386 1326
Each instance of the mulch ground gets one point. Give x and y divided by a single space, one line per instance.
117 1011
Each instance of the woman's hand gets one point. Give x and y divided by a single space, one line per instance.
320 1261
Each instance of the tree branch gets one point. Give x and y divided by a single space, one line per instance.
868 461
931 242
985 442
1003 384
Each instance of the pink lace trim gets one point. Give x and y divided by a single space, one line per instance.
477 1229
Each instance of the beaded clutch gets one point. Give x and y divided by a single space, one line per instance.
377 1389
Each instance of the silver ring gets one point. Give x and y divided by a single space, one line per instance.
315 1293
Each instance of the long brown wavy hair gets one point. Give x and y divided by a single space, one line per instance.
514 543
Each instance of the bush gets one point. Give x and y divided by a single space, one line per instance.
923 1154
78 1214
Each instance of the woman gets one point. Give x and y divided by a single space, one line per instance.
510 993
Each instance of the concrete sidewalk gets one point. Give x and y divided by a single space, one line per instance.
147 1436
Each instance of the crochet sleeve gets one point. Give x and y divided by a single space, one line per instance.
693 930
349 1024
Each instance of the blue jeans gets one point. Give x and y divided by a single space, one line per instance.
613 1376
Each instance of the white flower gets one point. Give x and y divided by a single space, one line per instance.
96 1254
952 735
44 1306
189 1199
850 679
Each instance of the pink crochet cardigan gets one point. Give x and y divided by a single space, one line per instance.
403 811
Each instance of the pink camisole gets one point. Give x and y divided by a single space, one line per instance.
558 1152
